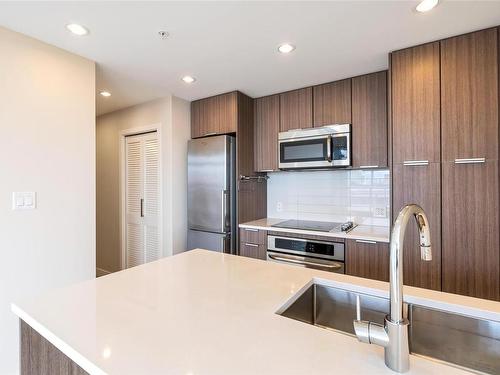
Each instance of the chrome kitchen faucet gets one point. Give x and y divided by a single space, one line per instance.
393 335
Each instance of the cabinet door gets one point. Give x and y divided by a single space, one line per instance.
267 123
296 109
420 185
368 259
252 250
228 112
332 103
205 120
416 104
469 96
470 229
196 126
369 120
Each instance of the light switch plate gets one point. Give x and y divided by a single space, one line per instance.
23 200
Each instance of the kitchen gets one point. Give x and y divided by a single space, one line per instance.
306 210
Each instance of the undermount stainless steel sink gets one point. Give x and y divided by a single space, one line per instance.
459 340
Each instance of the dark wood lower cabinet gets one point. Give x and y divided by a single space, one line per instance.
253 243
420 185
367 259
253 250
40 357
471 229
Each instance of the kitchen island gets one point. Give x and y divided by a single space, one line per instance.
202 312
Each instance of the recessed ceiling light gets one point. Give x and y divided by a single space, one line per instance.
286 48
163 34
77 29
426 5
106 94
188 79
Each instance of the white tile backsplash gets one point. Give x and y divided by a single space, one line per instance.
339 195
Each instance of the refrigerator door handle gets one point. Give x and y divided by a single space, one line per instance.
224 197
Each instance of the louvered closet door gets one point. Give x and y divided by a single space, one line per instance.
142 199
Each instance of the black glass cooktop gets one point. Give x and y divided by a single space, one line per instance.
319 226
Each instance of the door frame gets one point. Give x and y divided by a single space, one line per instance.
122 208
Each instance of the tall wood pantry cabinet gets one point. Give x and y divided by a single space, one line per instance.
445 142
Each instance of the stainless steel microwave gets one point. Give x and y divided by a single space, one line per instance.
325 147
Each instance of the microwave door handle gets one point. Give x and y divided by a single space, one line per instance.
329 149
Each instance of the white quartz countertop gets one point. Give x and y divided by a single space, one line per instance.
202 312
361 232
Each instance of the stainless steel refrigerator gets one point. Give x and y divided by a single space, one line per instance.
211 194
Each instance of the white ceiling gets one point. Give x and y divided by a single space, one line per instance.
232 45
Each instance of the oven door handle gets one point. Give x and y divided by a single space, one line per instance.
335 266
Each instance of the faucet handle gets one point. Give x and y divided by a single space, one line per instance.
358 307
361 328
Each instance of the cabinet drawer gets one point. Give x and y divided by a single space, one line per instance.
252 250
253 236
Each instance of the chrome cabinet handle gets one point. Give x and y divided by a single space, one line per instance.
470 161
411 163
368 166
367 241
142 207
266 170
250 230
335 266
208 134
251 244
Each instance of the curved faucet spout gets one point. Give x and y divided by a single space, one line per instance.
396 255
393 335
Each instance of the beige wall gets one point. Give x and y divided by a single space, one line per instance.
171 114
47 120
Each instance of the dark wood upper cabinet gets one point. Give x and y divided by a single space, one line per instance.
267 125
415 100
367 259
296 109
214 115
369 120
420 185
332 103
228 112
469 96
470 229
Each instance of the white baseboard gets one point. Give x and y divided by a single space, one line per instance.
101 272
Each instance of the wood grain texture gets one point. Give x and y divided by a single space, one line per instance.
296 109
251 201
469 96
253 250
415 86
40 357
332 103
369 120
367 260
267 124
214 115
420 185
258 237
306 236
228 112
470 229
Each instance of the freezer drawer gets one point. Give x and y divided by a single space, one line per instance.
219 242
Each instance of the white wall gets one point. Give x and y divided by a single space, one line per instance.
171 114
47 120
337 196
